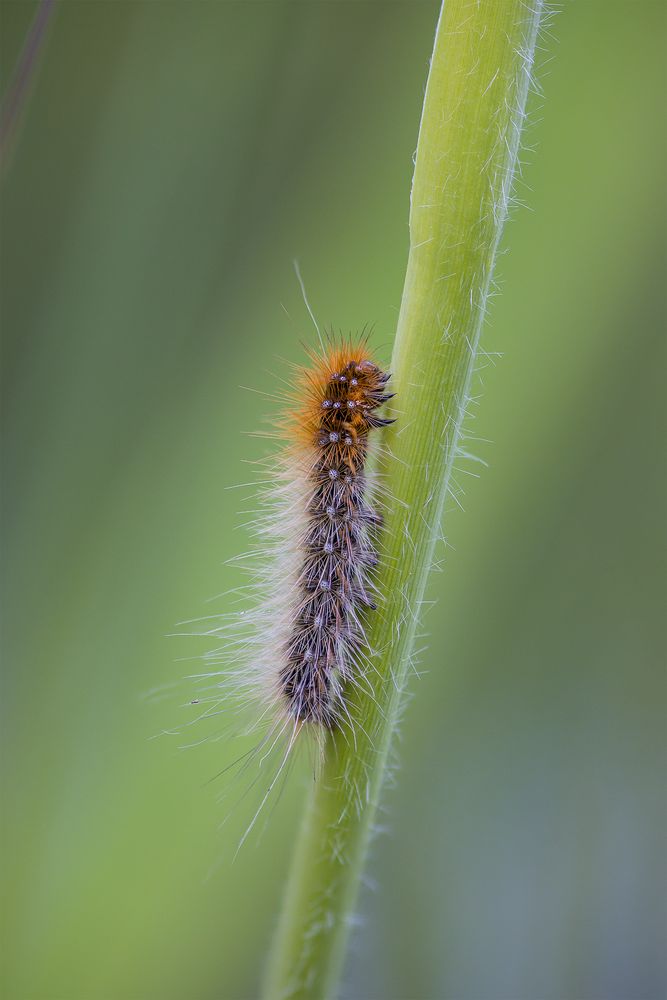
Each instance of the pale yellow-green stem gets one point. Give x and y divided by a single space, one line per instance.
466 155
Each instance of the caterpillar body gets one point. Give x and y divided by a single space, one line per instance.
302 643
324 633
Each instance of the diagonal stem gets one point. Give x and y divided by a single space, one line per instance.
24 72
467 151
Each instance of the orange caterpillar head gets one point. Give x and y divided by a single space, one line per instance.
338 398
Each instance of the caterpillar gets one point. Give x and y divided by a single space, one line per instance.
336 552
302 644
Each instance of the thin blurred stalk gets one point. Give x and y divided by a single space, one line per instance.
22 77
466 156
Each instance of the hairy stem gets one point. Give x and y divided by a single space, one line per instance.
466 155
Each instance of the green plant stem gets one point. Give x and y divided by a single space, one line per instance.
466 155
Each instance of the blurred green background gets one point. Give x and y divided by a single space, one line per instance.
171 161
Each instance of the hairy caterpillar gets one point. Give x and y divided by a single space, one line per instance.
336 552
302 643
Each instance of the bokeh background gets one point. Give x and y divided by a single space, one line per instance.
169 162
